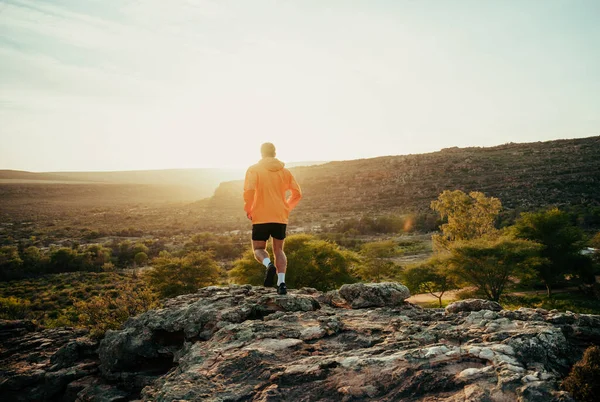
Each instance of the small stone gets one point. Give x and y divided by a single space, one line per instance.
490 315
486 354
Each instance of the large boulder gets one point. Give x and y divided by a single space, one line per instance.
152 339
386 294
472 305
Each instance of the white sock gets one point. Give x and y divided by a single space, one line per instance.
280 278
266 262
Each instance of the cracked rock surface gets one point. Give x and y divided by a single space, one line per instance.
363 342
247 343
40 364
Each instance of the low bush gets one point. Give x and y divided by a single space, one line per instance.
583 382
12 308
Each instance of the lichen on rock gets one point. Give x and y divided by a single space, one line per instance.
363 342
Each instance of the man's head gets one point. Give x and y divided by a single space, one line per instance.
267 150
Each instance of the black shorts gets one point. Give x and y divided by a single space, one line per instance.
262 231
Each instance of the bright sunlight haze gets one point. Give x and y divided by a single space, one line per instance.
118 85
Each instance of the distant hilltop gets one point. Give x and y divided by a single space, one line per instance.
199 183
524 176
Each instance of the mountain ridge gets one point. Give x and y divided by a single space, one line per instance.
523 176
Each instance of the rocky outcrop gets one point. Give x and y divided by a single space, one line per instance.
247 343
40 364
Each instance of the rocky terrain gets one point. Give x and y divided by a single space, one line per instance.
362 342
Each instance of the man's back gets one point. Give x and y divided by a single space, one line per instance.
265 190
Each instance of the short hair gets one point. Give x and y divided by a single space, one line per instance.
267 149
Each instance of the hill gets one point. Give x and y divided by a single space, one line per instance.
524 176
189 184
13 176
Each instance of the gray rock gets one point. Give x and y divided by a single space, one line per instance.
473 305
38 364
248 343
362 295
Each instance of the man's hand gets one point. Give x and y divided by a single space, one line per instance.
249 216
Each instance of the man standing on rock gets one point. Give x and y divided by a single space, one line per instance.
266 205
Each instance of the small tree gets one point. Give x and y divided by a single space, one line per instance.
99 255
312 263
561 244
140 259
431 277
173 276
490 265
64 260
33 261
10 263
377 264
469 217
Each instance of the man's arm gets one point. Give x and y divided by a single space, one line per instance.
296 192
249 190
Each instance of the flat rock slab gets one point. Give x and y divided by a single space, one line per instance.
363 295
473 305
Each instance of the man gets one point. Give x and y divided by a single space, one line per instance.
267 207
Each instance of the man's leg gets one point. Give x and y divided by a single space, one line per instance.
260 250
262 256
280 259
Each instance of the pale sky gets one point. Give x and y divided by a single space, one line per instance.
151 84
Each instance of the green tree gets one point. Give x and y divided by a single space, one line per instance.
561 244
311 263
33 260
376 261
99 256
64 260
468 217
224 247
172 276
490 265
10 263
432 276
140 259
139 248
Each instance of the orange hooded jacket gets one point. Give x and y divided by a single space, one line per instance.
265 190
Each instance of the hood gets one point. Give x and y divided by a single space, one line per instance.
271 164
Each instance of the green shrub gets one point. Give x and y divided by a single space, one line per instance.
101 313
377 264
311 263
584 380
173 276
141 258
12 308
